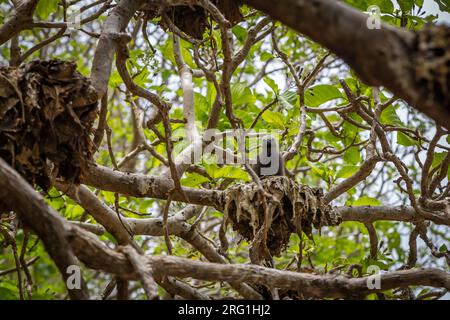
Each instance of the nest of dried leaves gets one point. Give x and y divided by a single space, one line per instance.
267 218
195 20
47 111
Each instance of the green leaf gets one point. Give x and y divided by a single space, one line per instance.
406 5
366 201
385 6
321 93
352 155
288 99
241 94
45 8
273 118
167 51
405 140
359 4
210 93
322 171
383 265
8 290
389 116
349 129
210 165
232 172
240 33
265 56
444 5
115 80
142 78
271 83
438 157
332 139
108 196
319 171
443 248
73 211
193 179
347 171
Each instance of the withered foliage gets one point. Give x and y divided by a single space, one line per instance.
47 111
193 20
269 221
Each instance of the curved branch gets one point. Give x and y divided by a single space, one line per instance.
116 22
21 20
97 256
19 196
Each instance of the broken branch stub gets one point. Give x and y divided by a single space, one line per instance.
47 111
291 208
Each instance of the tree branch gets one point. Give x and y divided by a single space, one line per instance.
19 196
391 61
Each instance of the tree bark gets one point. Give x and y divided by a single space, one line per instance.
411 65
35 213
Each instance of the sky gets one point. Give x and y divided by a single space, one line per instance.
431 7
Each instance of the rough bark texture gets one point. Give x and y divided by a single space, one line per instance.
97 256
138 185
16 194
104 54
19 21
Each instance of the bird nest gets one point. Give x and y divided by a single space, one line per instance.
268 216
47 111
194 20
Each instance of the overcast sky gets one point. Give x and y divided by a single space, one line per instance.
432 8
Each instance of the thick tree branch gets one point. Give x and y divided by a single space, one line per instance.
19 196
391 60
21 20
97 256
138 185
116 22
